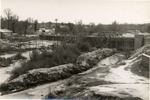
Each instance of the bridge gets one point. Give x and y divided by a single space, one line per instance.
112 42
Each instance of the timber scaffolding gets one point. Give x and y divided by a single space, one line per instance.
112 42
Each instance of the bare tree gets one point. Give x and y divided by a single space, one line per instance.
113 27
49 24
71 25
8 14
20 27
35 25
25 25
78 28
92 28
14 20
3 23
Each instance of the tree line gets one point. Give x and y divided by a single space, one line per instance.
115 28
11 22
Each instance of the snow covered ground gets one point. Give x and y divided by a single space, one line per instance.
4 72
125 82
8 55
38 43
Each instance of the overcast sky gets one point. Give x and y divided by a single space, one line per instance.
96 11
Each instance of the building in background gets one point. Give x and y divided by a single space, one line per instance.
4 33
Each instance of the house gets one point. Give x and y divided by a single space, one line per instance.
4 33
46 31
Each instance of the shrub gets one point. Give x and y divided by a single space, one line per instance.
5 48
5 62
84 46
62 55
25 66
35 55
4 87
18 56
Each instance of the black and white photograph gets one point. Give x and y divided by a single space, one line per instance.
74 49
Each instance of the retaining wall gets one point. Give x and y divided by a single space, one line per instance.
138 41
146 60
147 39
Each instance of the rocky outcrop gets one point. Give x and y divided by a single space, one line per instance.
43 75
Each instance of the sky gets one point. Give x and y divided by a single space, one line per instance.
96 11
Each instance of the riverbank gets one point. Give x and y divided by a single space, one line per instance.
43 75
5 71
10 62
105 82
109 80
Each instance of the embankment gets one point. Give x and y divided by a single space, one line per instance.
44 75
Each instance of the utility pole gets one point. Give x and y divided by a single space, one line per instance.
55 31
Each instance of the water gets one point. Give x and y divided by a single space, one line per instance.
93 72
109 60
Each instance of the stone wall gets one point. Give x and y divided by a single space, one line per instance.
138 41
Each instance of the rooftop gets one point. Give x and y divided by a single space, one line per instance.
5 31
